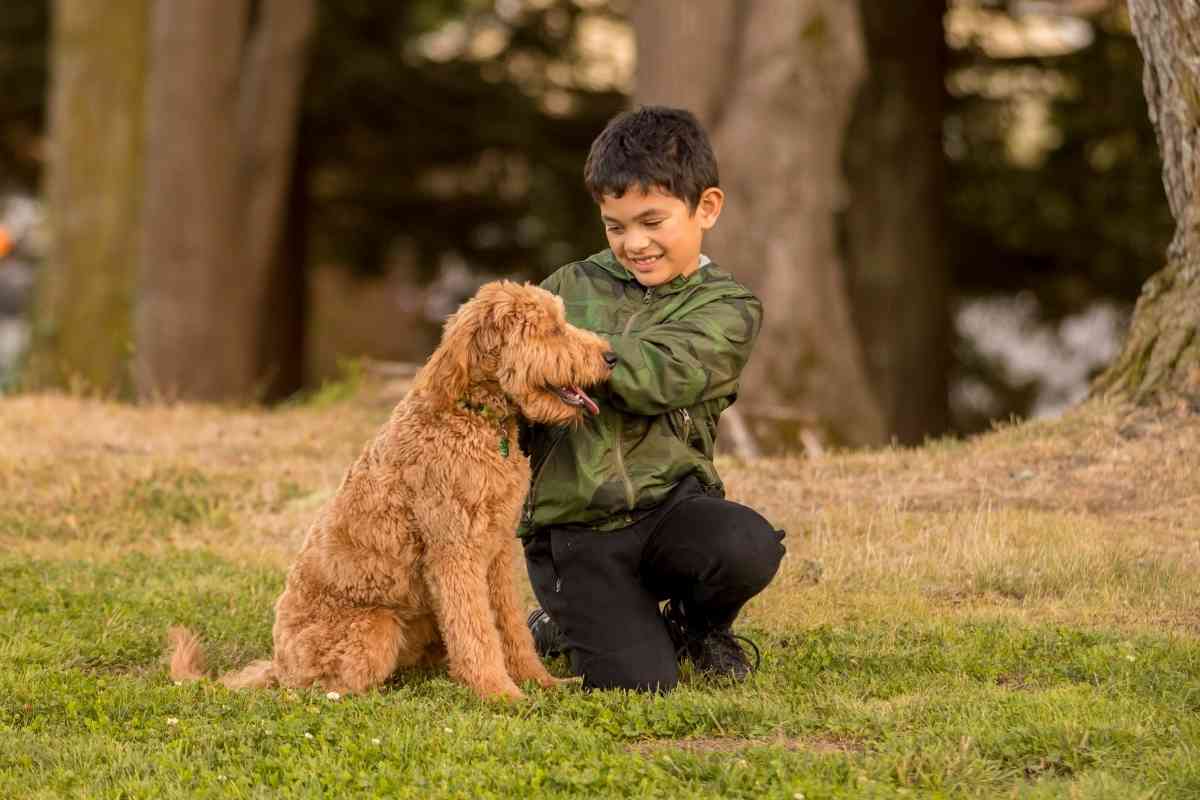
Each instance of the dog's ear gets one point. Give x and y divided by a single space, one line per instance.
504 313
447 373
523 309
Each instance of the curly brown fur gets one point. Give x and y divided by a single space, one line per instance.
411 561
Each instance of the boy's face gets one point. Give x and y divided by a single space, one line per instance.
653 235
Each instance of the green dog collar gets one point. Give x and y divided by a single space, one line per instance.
489 413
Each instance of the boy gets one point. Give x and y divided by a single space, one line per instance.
626 509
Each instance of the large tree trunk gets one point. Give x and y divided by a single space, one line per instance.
82 329
1162 354
775 81
223 99
283 326
894 225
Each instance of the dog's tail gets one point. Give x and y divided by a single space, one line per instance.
188 664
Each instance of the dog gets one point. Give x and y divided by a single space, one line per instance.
410 562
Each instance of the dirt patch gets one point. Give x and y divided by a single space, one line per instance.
1014 681
727 744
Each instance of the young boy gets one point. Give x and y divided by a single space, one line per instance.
626 509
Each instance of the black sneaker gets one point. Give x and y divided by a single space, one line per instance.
714 652
672 613
547 638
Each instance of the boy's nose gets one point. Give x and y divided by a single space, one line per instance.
637 242
610 358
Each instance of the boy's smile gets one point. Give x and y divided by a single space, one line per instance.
653 234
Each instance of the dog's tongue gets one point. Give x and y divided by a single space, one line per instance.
588 402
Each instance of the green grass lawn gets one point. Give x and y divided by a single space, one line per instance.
907 669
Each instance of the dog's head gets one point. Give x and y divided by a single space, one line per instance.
517 336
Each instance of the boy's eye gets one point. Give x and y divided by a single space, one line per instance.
612 229
653 223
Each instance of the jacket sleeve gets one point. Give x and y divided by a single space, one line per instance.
683 362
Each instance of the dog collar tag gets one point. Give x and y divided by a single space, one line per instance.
504 446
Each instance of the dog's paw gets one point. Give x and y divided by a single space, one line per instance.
548 681
561 683
534 671
501 692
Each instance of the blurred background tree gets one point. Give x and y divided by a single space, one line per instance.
893 227
83 329
1056 208
775 83
217 272
441 142
1161 358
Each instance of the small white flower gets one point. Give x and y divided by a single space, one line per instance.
448 730
308 736
1131 657
172 721
376 741
220 777
332 696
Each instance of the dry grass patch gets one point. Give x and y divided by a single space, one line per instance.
1090 519
100 479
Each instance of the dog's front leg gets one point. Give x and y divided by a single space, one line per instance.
458 582
519 656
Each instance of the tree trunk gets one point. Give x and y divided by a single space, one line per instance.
894 226
774 81
1161 358
223 98
82 314
283 326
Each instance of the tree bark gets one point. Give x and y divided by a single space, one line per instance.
894 229
774 82
1161 358
223 101
82 314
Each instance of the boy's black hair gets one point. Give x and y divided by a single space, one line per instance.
652 146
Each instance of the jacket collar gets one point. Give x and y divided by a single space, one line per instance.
609 263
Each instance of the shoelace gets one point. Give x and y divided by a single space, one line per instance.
754 647
678 633
757 653
535 616
682 649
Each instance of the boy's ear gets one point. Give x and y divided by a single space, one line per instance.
712 200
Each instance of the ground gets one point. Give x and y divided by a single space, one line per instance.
1017 615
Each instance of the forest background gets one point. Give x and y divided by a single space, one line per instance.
950 208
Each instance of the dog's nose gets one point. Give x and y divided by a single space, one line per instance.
610 358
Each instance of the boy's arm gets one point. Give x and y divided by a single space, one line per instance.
684 362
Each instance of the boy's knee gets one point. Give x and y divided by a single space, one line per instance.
753 550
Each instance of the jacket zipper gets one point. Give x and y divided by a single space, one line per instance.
531 497
687 424
620 458
618 447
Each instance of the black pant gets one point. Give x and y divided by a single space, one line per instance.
603 588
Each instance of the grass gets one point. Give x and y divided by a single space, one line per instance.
1012 616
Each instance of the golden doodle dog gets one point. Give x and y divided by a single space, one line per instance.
411 562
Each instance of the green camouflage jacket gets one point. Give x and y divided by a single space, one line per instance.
681 347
